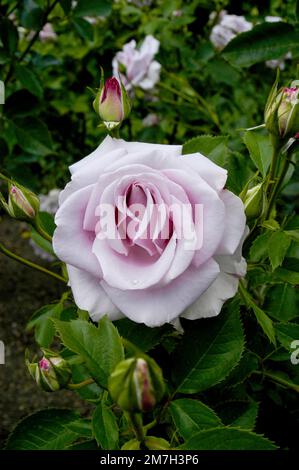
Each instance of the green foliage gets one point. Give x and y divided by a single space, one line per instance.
267 41
260 150
105 427
227 439
191 416
209 351
45 430
100 347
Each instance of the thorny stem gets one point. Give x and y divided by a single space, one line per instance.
30 264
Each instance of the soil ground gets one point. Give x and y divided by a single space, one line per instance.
22 292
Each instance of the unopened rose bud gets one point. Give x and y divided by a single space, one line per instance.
288 111
22 204
254 201
282 111
112 102
51 373
137 384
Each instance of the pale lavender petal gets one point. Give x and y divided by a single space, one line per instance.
90 296
154 307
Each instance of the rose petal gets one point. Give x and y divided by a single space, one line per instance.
71 243
235 221
154 307
90 296
209 171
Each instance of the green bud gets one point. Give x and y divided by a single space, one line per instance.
22 203
112 103
156 443
137 384
282 111
254 201
51 373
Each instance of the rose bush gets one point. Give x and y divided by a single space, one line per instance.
146 276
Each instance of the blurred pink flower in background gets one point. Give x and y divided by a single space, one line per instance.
137 67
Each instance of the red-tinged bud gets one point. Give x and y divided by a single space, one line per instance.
112 102
137 384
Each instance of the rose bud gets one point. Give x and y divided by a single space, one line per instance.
254 201
51 373
22 204
112 102
288 111
282 111
136 384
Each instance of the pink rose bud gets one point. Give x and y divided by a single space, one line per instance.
22 203
144 389
112 102
288 111
51 373
137 384
282 110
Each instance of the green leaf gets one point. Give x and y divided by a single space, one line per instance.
140 335
278 246
191 416
41 322
8 35
84 28
263 320
101 348
267 41
29 80
33 136
32 16
293 235
44 430
215 148
259 248
260 150
209 350
80 373
239 172
66 5
93 8
283 302
286 275
227 439
47 222
248 363
105 428
247 419
82 427
287 333
297 11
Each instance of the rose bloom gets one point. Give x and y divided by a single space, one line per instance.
227 28
140 273
140 68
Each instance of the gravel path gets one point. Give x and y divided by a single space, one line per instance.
22 291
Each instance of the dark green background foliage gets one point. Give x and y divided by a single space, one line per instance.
48 121
231 380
